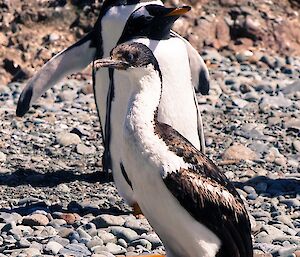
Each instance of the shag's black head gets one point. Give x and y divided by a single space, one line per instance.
128 55
151 21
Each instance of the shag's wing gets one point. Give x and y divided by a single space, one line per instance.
70 60
200 74
205 192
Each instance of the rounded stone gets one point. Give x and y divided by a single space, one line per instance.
115 249
126 233
66 139
2 157
53 247
106 220
85 150
35 220
239 152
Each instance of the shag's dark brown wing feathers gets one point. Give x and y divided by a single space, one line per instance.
205 192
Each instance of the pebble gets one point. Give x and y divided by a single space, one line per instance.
115 249
85 150
140 226
2 157
239 152
106 237
275 102
75 249
106 220
66 139
291 88
35 220
53 165
53 247
296 145
126 233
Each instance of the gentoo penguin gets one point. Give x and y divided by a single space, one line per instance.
110 28
151 26
189 202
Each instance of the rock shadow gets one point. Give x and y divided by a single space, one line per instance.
272 187
50 179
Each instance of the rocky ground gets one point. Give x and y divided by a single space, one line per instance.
54 200
33 31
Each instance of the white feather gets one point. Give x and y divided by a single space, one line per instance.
146 157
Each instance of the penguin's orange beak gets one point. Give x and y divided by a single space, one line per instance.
179 11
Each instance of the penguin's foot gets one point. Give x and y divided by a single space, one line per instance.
137 212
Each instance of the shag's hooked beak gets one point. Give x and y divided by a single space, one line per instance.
178 11
111 63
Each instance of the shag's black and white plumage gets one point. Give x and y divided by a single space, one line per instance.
189 202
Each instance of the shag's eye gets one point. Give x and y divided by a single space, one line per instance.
129 57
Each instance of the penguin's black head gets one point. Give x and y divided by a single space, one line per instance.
152 21
128 55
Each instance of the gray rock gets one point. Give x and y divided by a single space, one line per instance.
83 234
96 241
23 243
266 247
106 220
75 249
251 97
244 56
292 88
296 145
293 123
53 37
138 225
212 55
143 242
10 217
67 96
32 251
63 188
239 152
126 233
90 228
65 139
85 150
274 102
115 249
2 157
35 220
103 254
60 240
107 237
122 242
153 239
239 102
294 202
53 247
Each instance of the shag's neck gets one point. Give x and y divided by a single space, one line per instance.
141 122
144 101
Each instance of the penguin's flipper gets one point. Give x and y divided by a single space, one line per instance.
200 74
73 59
